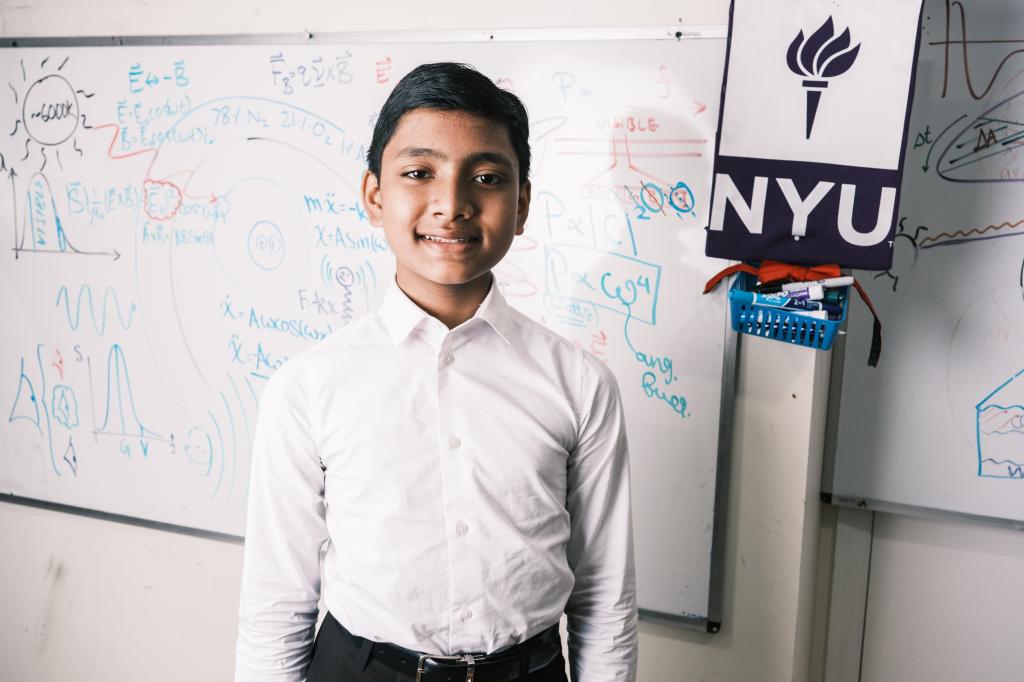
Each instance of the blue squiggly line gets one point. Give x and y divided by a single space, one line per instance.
85 293
625 329
1003 461
346 304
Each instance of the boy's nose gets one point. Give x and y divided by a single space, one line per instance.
452 201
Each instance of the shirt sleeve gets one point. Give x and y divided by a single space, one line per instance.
601 611
285 529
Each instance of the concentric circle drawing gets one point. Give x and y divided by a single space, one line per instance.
261 245
266 245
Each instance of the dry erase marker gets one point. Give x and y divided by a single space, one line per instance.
781 301
811 293
834 296
830 282
829 295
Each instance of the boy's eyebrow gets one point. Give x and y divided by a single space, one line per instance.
490 157
496 158
422 151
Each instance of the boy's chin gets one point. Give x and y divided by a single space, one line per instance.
454 280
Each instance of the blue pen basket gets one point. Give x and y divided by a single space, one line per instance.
781 324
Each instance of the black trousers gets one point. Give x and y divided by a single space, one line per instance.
336 659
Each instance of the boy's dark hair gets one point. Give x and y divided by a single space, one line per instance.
452 87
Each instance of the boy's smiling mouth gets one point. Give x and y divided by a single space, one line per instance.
447 240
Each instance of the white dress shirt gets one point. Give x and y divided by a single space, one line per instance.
471 485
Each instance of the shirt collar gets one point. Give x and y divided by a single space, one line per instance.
496 312
401 315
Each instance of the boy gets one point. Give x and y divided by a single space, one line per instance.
466 467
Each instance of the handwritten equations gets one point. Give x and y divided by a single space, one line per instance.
940 424
180 220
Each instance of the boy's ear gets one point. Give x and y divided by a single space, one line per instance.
523 207
371 199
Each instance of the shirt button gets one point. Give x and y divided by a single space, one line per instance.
466 615
454 442
448 359
461 529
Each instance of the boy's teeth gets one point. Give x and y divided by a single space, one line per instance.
443 240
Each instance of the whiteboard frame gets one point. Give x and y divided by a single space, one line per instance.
828 469
712 622
680 32
11 498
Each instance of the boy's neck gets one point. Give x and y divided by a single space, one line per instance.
452 305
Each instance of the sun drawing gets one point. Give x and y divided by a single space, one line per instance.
50 112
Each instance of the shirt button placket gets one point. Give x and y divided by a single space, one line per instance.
464 574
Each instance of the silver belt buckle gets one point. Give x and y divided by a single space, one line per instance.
465 658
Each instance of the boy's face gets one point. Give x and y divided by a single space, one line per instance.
449 200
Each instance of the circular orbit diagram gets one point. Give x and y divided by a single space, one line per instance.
223 244
235 222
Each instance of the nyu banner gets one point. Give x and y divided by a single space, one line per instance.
814 115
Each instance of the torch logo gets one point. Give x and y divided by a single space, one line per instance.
820 56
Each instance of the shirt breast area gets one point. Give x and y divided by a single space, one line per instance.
396 427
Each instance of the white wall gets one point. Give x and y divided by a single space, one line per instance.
84 599
89 599
945 603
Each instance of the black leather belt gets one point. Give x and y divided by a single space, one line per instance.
503 666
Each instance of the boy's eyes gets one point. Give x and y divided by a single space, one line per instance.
479 178
488 179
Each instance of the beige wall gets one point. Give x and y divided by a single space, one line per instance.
90 599
946 602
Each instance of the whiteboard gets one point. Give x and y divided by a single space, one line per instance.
939 425
183 218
